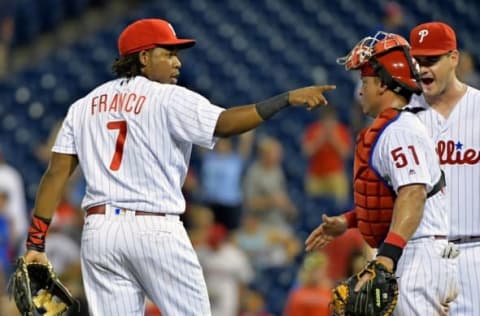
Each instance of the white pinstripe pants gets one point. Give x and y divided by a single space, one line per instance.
127 257
468 301
426 280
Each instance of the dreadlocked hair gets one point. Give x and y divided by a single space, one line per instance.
128 66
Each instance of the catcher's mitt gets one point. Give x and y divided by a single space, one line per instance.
377 297
37 291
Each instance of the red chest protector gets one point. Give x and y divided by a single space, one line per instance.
373 199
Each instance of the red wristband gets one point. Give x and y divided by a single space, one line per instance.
37 233
395 239
351 218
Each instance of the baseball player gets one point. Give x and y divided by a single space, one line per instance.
452 116
400 205
133 137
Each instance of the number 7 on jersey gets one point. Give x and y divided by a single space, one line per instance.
122 135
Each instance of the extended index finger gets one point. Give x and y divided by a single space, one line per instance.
324 88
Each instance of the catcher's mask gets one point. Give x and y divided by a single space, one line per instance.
387 56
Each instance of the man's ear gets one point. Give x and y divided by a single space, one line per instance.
382 87
143 57
455 57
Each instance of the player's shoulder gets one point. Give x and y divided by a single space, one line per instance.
406 123
472 95
473 90
469 103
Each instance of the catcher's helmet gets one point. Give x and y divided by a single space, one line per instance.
387 56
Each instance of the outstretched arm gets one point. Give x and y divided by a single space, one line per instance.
331 228
240 119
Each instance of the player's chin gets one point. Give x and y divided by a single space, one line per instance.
173 80
429 90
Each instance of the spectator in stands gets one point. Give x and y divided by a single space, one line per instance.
339 251
226 268
265 186
327 144
198 221
11 181
77 181
62 250
313 296
222 170
72 279
7 23
266 245
466 71
254 304
191 189
393 20
357 261
5 241
227 271
44 150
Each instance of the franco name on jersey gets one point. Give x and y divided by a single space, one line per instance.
119 102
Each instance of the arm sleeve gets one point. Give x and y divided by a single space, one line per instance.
65 141
400 157
351 218
192 118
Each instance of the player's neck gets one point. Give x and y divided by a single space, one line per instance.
395 102
446 101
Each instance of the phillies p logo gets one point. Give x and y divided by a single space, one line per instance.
171 28
422 33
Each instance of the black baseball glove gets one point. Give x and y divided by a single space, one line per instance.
37 290
377 297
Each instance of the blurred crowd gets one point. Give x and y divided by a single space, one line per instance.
240 216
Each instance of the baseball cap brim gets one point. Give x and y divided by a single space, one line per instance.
427 52
179 43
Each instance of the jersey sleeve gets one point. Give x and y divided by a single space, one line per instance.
65 141
192 118
400 157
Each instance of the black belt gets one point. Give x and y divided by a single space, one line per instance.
465 239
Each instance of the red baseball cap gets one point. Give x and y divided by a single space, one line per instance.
149 33
432 39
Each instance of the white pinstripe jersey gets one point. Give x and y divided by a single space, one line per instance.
458 145
134 138
405 154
